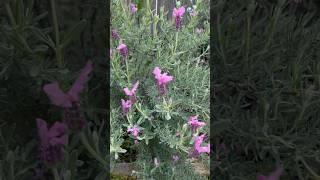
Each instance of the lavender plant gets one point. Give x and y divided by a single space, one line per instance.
266 83
53 106
160 88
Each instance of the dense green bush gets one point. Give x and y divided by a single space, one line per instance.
36 50
266 88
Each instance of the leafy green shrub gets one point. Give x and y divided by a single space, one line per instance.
266 81
37 49
142 40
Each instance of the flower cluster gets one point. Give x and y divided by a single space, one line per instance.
126 104
137 126
194 123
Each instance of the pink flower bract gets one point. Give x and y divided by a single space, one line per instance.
122 48
52 141
195 123
198 149
178 12
126 105
134 131
132 93
162 80
59 98
115 34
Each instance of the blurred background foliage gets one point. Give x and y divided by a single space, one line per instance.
42 42
266 88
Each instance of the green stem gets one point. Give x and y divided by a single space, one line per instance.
13 22
91 150
127 69
55 173
176 42
308 167
56 32
148 5
248 41
117 74
55 22
123 8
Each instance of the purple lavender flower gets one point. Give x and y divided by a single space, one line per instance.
59 98
134 131
70 101
195 123
52 141
198 149
132 93
122 48
133 8
178 14
115 34
126 105
162 80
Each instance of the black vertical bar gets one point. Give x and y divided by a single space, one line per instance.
107 25
211 85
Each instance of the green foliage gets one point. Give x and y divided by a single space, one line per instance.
266 81
40 44
152 40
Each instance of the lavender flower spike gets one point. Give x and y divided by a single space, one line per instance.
134 131
70 101
115 34
52 141
198 149
132 93
133 8
122 48
195 123
162 80
126 105
178 14
59 98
